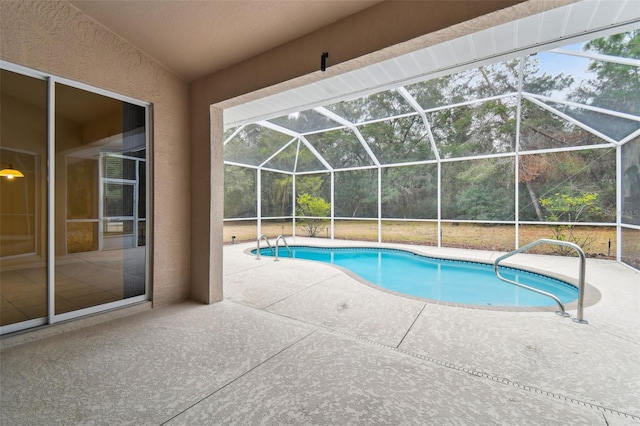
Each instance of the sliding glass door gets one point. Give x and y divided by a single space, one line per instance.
23 199
73 230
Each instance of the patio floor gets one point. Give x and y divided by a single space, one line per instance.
298 342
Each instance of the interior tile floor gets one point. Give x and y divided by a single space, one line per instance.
301 343
82 280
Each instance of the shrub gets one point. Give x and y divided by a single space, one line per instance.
567 208
313 209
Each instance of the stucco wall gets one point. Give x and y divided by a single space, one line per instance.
56 38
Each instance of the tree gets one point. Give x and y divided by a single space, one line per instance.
616 86
570 208
568 172
474 190
486 190
340 148
239 192
317 185
276 194
313 209
410 192
356 193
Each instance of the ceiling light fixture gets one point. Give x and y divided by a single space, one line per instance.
10 173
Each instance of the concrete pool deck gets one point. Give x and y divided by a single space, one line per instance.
299 342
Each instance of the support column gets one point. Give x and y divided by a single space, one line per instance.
216 218
207 206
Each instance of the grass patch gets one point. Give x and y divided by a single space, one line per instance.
459 235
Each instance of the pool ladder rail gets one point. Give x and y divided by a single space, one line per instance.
284 240
271 248
260 238
562 312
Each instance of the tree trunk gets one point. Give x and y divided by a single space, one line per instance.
534 200
283 202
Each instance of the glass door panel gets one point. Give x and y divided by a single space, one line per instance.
23 195
100 145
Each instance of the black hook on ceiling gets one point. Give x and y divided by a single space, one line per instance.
323 61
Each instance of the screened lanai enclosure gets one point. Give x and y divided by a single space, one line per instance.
546 145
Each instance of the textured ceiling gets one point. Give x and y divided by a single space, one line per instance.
198 38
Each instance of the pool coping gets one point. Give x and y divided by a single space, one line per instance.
591 294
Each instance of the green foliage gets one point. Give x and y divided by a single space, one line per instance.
478 190
239 192
341 148
311 184
313 209
254 144
276 194
568 208
356 193
572 172
625 45
398 140
410 192
617 86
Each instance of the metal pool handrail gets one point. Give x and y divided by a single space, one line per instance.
281 237
581 275
262 237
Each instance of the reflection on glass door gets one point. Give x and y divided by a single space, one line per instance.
100 142
119 220
120 202
90 192
23 194
18 192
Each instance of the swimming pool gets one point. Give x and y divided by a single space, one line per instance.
445 280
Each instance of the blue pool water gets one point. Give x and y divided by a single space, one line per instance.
440 279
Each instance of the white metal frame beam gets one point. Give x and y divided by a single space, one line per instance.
538 100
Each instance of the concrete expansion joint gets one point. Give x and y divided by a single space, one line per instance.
633 342
255 367
411 326
471 371
521 386
289 296
256 266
